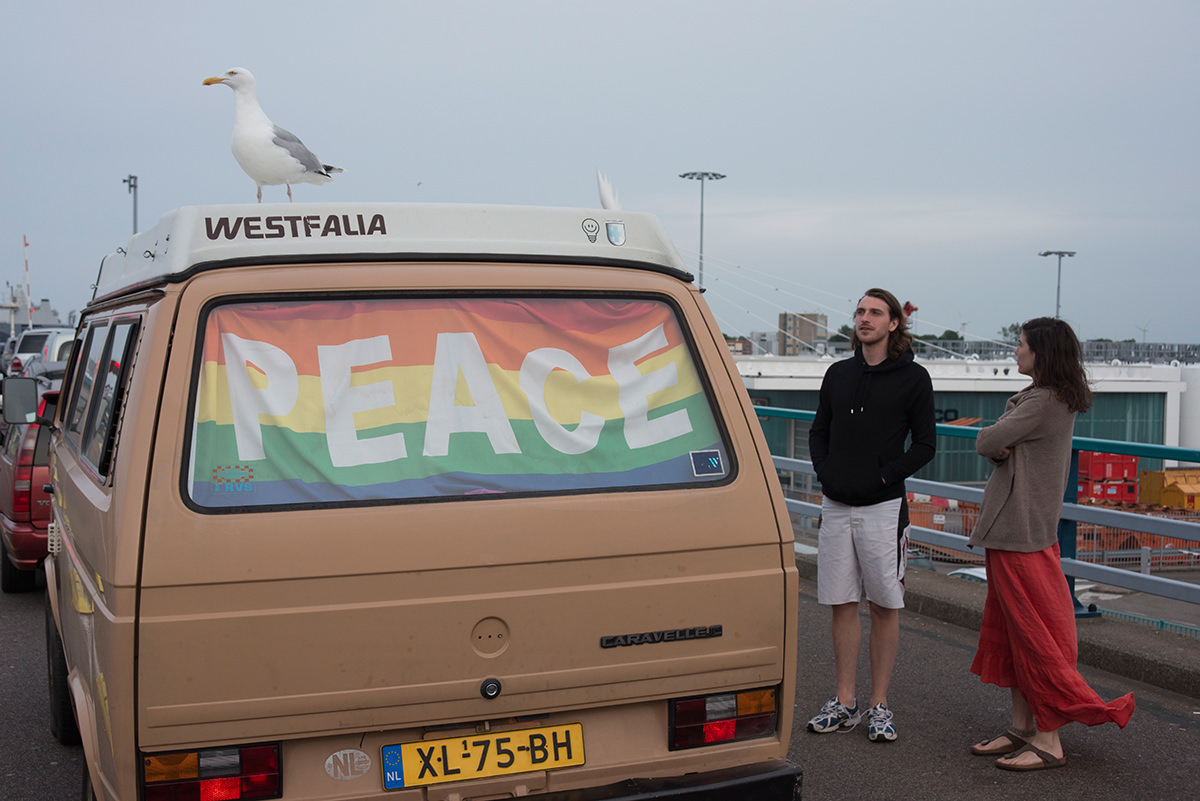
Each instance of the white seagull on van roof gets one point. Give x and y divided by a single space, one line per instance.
267 153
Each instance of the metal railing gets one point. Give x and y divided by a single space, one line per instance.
1094 351
1072 513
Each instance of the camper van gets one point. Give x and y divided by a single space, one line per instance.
364 501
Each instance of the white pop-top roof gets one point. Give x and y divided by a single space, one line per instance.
277 232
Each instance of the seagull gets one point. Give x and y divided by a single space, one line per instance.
267 153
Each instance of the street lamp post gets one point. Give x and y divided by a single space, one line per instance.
131 181
702 177
1058 288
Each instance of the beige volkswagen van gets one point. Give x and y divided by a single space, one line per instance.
363 501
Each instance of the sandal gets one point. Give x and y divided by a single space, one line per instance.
1047 760
1017 738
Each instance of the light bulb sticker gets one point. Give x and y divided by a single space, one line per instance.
591 228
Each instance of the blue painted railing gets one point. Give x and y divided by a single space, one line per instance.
1072 512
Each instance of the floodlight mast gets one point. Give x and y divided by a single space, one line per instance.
702 177
1058 288
131 182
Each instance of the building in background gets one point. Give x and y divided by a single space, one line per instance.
766 343
15 317
45 315
800 333
739 346
1148 403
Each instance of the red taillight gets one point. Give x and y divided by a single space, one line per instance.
220 789
23 480
22 492
260 771
719 731
723 718
214 774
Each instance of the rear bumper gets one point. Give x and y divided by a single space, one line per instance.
26 544
769 781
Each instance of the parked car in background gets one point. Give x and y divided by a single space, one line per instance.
58 347
979 575
24 503
976 574
10 347
45 343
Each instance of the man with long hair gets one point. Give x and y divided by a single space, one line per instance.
870 405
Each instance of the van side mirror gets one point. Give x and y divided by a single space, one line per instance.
20 400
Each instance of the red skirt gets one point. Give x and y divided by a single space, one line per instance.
1027 641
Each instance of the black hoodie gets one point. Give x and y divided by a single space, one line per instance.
863 420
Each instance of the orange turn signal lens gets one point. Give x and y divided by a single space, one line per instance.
755 702
170 767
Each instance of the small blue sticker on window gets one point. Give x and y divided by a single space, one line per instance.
233 478
707 463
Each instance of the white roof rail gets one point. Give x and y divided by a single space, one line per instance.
202 237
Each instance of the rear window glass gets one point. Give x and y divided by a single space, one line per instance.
343 401
32 343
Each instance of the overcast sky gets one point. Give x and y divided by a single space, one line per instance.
932 148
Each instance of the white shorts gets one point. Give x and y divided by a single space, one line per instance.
862 548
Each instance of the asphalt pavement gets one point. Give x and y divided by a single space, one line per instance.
33 766
940 707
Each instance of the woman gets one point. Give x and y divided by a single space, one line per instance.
1027 641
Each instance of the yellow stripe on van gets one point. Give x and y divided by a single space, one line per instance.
412 387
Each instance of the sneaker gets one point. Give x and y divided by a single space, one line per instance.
880 728
835 716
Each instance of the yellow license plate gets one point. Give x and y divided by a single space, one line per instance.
458 759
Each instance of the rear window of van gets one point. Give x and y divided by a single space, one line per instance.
343 401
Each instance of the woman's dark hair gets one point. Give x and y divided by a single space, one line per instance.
1058 361
899 340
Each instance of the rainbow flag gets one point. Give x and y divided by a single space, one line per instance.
340 401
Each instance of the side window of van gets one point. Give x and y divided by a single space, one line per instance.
98 387
99 436
83 379
344 401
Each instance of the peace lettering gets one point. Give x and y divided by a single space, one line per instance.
456 354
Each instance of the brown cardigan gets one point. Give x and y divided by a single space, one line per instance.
1024 496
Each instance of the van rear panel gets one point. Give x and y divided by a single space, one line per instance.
413 647
530 514
447 541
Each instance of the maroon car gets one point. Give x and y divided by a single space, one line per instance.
24 503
